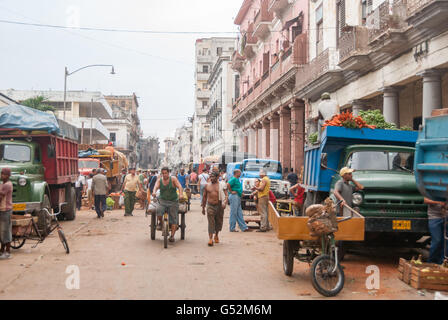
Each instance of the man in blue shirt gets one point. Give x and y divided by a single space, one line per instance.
236 212
183 178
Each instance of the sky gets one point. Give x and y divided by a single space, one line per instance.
159 68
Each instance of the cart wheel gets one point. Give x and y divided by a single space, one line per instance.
324 280
165 228
182 226
288 257
153 226
63 240
17 243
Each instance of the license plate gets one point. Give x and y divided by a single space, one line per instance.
401 224
19 207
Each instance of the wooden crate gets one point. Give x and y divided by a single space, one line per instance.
429 276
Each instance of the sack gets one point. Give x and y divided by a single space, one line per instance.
183 208
322 218
110 202
121 201
152 208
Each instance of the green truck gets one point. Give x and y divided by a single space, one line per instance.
394 210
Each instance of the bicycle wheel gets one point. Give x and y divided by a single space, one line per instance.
324 280
153 226
63 240
17 243
288 257
165 229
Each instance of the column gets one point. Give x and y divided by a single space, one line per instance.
258 140
285 138
432 91
297 135
390 105
252 143
266 141
274 126
358 105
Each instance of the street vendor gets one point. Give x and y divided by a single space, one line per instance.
5 214
344 189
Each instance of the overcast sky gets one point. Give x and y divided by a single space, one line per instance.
159 68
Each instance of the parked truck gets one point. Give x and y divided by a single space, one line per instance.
383 160
431 158
44 163
250 169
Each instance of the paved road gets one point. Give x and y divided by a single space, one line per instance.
117 260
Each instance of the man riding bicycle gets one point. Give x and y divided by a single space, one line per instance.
168 200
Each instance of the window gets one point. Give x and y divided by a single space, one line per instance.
204 51
219 51
204 86
15 153
113 136
340 22
382 160
319 38
204 104
37 155
205 69
366 9
237 86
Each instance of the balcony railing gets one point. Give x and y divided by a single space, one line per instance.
354 41
390 14
202 76
320 65
277 5
414 6
263 20
203 94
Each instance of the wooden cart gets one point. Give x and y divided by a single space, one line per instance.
322 251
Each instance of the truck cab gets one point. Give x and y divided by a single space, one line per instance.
383 161
250 169
86 165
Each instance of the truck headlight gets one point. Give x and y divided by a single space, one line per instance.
357 198
22 182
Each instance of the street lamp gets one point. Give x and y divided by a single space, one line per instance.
66 74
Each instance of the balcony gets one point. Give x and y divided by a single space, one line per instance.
320 75
300 50
431 14
202 94
204 59
237 61
263 21
354 48
249 42
202 76
278 6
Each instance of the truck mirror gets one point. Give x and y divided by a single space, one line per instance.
323 160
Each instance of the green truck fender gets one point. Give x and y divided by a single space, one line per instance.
38 190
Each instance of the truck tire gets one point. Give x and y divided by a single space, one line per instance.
69 210
44 220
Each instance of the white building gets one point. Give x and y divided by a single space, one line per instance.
207 53
219 115
84 110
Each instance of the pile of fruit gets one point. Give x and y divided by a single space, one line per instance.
347 120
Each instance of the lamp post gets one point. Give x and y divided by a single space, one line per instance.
66 74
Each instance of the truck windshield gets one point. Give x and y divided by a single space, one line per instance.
15 153
382 160
88 164
268 166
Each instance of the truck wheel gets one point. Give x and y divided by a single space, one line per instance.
44 219
69 212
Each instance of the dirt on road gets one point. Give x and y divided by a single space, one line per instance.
117 260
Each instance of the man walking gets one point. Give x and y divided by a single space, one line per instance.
436 223
80 186
236 212
130 185
263 200
203 180
5 214
99 188
169 200
215 204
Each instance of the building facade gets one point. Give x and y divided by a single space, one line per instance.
272 48
207 53
149 153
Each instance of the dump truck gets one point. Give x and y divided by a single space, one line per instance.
383 160
42 153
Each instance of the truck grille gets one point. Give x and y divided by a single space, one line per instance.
394 202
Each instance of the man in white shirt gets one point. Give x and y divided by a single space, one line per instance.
89 190
203 180
80 185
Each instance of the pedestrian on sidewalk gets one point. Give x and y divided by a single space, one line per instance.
203 180
5 214
214 199
130 185
235 193
80 187
263 200
436 223
100 187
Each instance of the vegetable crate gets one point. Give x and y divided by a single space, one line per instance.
429 276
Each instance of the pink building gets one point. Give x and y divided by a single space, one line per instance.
272 47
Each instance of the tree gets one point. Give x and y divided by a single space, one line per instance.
38 103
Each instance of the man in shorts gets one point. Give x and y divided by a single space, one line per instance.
5 214
168 200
